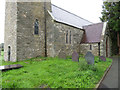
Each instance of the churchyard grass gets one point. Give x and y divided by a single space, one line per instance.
1 57
54 73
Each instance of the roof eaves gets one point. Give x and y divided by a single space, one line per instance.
69 24
51 15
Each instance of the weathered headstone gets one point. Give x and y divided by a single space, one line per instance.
9 67
75 57
89 58
102 58
62 54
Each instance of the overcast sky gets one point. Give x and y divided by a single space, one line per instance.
87 9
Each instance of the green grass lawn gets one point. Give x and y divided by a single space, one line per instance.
54 73
1 57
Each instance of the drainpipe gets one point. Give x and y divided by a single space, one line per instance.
45 29
99 48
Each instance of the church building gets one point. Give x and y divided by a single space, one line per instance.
34 29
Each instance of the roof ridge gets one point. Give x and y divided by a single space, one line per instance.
71 13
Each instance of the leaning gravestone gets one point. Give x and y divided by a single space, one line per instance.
62 54
75 57
89 58
102 58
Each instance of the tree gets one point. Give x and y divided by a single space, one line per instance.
111 14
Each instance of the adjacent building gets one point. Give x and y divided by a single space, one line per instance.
96 39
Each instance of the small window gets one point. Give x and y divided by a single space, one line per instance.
9 53
36 27
90 47
66 37
70 37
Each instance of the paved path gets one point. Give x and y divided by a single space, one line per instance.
111 79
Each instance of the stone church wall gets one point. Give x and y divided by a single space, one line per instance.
50 35
10 31
30 45
103 45
24 44
59 42
84 48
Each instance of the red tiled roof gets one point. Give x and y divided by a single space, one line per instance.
92 33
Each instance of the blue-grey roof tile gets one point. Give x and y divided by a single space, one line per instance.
66 17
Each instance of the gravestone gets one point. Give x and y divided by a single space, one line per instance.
62 54
89 58
75 57
9 67
102 58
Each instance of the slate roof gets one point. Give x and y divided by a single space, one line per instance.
66 17
92 33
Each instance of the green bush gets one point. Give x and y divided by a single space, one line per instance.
93 67
84 66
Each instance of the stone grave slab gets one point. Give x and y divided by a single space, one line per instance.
62 55
75 56
102 58
89 58
9 67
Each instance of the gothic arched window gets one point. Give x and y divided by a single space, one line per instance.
36 27
70 38
66 37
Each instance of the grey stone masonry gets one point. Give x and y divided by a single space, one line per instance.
19 30
22 43
10 38
59 43
86 47
30 45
